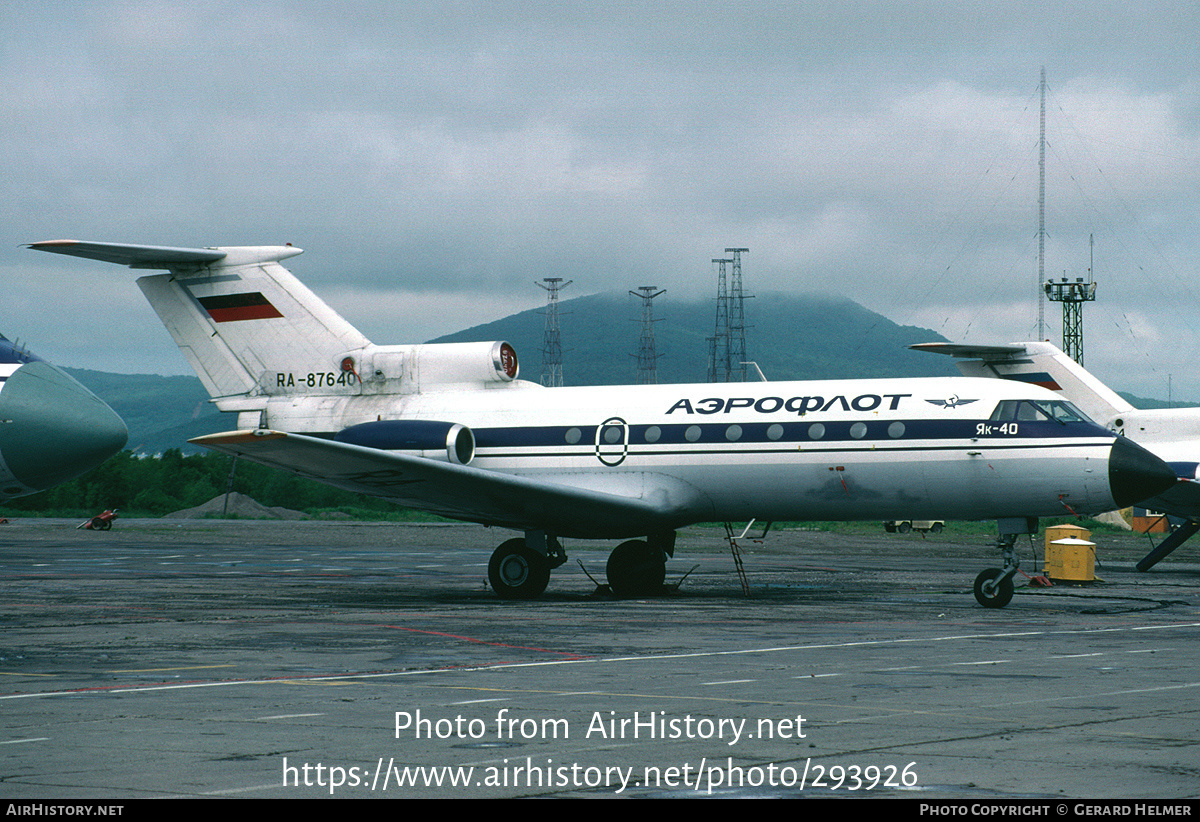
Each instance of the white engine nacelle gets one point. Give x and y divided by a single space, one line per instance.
411 368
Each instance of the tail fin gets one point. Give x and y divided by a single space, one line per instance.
239 317
1039 363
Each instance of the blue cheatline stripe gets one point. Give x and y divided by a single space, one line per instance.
787 437
866 448
791 433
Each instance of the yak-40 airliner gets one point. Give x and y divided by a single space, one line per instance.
1170 433
452 430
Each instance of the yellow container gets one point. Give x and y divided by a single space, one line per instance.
1070 555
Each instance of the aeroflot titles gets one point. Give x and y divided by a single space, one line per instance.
797 405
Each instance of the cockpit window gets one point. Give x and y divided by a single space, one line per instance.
1037 411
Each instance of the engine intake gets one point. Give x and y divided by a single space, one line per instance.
428 438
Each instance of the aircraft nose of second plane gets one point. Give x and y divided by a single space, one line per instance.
1134 474
52 428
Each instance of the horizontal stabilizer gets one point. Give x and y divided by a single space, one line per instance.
134 256
981 352
653 503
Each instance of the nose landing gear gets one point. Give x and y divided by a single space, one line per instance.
994 587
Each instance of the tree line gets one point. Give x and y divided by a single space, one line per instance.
142 486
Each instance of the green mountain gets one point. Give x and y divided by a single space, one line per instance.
790 337
1145 404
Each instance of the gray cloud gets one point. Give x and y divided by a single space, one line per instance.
884 151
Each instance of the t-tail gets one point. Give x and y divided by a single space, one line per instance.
253 332
1037 363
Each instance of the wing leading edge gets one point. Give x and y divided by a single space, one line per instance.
630 504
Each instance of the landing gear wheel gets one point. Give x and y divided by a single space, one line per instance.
636 570
516 571
992 594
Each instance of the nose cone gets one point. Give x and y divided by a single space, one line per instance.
1134 474
52 428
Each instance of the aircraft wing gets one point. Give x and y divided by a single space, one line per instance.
573 505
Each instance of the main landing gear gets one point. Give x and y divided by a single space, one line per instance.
520 568
638 568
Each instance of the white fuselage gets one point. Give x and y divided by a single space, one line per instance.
825 450
316 397
1172 434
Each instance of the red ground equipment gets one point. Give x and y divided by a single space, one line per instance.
100 522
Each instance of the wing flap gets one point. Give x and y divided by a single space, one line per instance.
628 504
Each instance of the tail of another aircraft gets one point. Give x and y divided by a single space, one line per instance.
1040 363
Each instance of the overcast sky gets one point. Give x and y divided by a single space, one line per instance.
434 159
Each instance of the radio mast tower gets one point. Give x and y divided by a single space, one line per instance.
718 357
727 349
647 356
1073 296
1041 320
552 375
737 318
